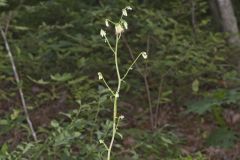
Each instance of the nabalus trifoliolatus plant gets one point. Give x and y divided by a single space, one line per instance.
120 26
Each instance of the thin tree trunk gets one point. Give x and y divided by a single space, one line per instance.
229 22
18 83
216 14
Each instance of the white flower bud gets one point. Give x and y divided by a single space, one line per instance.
129 8
121 117
106 23
144 55
124 12
100 76
117 95
101 141
125 24
102 33
118 28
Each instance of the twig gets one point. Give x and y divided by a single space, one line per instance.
8 22
160 88
144 75
18 83
148 88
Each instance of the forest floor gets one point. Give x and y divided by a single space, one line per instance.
191 129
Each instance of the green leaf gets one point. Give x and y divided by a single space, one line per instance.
120 135
3 2
222 137
76 134
232 96
4 122
217 112
195 85
167 93
27 148
15 114
78 80
22 28
202 106
166 140
40 81
54 124
4 148
61 78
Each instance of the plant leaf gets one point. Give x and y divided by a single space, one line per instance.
195 85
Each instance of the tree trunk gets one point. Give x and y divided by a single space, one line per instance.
229 22
216 14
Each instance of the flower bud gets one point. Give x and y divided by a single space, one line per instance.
102 33
121 117
124 12
129 8
118 28
125 24
144 55
100 76
101 141
106 23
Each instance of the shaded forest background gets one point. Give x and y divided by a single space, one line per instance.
182 103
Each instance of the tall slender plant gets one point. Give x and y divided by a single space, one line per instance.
120 27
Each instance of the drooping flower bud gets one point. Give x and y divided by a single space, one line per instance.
129 8
144 55
124 12
106 23
101 141
100 76
102 33
125 24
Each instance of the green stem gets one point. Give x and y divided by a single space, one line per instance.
111 21
109 45
117 123
114 128
130 68
109 88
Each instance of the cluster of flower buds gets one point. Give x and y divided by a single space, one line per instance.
119 27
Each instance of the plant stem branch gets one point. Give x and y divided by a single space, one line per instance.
160 88
104 81
144 75
130 68
109 45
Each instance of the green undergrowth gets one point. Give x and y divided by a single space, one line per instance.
58 53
